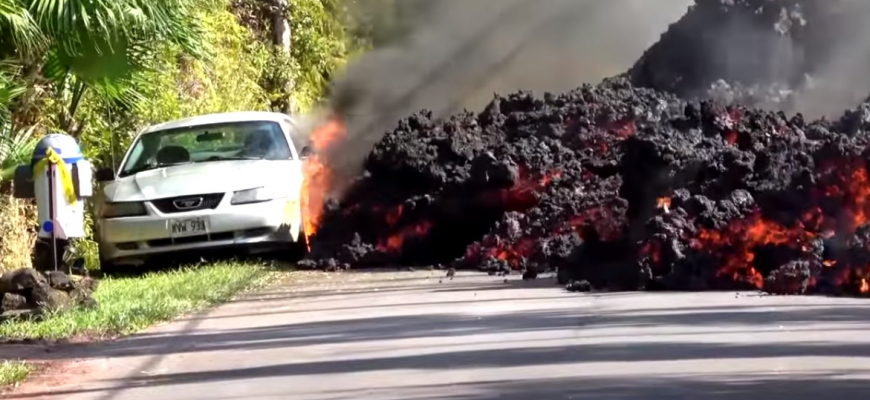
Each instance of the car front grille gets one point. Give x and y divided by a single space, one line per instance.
188 203
191 239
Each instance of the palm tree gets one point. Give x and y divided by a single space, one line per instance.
79 45
18 27
18 30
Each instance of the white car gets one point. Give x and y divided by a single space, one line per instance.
231 180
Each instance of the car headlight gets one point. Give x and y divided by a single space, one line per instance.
125 209
256 195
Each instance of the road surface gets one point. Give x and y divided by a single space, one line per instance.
405 336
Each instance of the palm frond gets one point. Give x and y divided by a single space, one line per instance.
99 45
17 24
54 69
74 24
17 148
10 88
125 92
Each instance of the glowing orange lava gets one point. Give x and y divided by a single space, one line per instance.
737 243
394 242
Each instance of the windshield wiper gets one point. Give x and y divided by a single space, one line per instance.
232 158
150 167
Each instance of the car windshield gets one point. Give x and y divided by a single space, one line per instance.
254 140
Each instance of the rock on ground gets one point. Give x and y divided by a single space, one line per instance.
27 292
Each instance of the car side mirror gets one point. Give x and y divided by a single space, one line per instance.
306 152
104 175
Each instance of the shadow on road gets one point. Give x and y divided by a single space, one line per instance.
811 387
470 334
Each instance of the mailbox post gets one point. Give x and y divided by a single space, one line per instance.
59 178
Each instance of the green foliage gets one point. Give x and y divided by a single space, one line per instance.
15 148
13 372
182 86
370 23
95 45
19 29
319 46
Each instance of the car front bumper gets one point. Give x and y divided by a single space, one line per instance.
262 225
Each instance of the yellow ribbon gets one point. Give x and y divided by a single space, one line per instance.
66 181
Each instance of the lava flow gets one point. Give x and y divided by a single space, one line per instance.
621 185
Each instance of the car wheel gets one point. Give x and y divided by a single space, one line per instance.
296 251
300 247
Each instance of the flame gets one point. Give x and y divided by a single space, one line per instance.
865 287
664 203
317 178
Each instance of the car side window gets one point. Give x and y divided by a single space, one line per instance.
291 132
267 142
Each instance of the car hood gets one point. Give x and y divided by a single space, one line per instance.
189 179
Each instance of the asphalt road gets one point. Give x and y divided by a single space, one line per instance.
406 336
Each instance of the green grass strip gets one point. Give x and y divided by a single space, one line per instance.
128 305
13 372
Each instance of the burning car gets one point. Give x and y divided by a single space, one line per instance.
218 181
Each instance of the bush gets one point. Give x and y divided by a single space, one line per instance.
18 227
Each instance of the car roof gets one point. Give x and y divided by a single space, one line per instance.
220 118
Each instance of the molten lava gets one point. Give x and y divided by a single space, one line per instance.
623 185
317 178
665 194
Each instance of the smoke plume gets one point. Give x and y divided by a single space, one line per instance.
807 56
459 52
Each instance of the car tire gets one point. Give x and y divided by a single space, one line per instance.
297 250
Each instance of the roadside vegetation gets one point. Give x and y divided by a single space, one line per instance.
102 71
127 305
13 372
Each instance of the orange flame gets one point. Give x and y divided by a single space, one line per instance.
664 203
317 178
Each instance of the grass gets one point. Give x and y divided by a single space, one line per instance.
127 305
13 372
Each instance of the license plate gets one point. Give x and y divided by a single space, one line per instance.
188 227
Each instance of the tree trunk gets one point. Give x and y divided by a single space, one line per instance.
281 29
282 36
